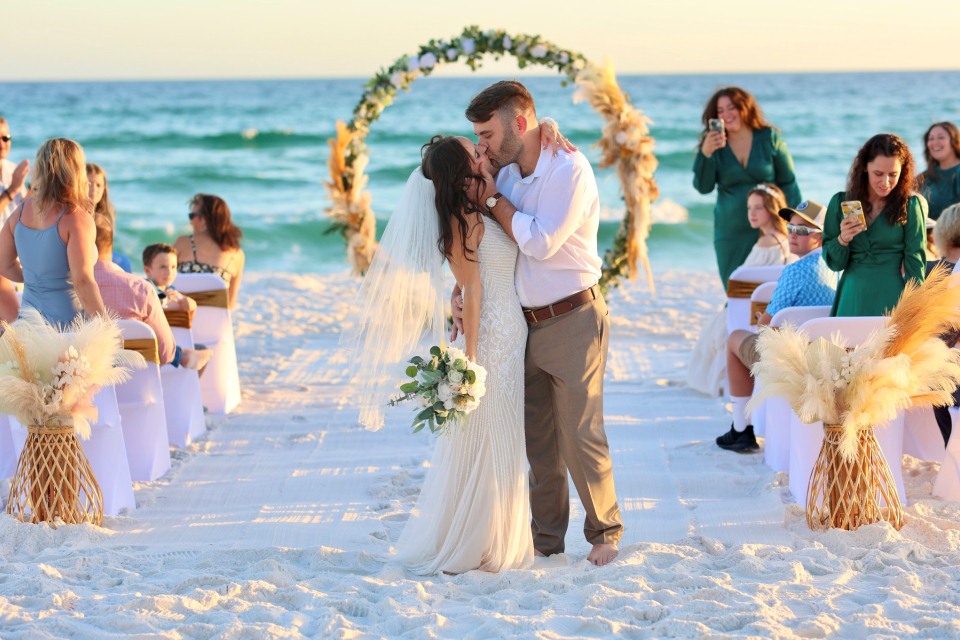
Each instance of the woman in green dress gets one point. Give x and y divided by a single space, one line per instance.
940 183
878 256
747 151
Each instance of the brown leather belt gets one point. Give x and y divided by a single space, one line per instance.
560 307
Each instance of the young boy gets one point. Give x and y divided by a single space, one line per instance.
160 265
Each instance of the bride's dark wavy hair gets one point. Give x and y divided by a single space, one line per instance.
447 164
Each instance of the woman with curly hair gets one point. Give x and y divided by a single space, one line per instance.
214 245
745 151
940 183
871 255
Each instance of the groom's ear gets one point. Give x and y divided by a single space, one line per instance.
522 124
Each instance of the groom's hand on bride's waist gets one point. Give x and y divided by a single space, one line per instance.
456 307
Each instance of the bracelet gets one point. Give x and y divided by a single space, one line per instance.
549 120
842 242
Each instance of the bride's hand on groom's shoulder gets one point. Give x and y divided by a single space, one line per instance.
551 138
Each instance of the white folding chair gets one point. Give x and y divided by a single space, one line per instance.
141 407
213 327
806 439
8 461
105 450
740 287
181 391
776 447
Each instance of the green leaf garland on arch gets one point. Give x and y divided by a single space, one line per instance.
625 142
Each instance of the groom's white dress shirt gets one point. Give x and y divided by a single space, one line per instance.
556 222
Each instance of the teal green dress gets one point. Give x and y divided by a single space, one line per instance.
941 188
872 281
769 161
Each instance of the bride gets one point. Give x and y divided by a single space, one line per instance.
473 511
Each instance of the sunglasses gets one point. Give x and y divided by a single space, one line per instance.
193 214
800 230
6 138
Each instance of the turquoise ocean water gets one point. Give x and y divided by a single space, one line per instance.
261 145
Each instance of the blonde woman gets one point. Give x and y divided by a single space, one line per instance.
52 233
100 200
707 369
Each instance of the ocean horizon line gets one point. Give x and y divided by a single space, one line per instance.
443 73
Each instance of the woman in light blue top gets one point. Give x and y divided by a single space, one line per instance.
53 235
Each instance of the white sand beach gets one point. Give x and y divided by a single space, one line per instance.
279 523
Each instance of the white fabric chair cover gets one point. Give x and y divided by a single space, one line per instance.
921 435
805 440
776 448
8 460
738 309
213 327
142 411
105 450
181 397
762 294
947 484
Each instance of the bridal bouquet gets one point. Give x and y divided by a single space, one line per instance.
447 386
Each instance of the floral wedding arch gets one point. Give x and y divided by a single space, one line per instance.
625 142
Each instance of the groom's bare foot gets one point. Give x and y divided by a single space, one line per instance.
602 554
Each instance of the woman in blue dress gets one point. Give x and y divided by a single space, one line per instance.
53 235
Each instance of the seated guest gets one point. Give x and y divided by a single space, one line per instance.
100 198
932 253
946 235
133 298
805 283
214 245
160 265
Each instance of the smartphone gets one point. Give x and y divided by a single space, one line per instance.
853 208
715 124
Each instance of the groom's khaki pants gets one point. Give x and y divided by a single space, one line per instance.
565 360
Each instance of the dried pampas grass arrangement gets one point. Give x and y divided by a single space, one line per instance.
905 364
47 382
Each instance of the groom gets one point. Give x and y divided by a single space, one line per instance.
549 205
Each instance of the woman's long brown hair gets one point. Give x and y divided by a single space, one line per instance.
858 183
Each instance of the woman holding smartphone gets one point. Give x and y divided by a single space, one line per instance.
940 183
891 235
738 150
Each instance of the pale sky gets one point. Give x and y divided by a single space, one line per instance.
134 39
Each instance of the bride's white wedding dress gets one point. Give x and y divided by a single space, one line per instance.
473 511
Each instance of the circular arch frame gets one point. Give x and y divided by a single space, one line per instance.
625 141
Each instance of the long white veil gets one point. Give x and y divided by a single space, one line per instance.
400 298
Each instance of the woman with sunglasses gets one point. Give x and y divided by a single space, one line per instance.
738 149
707 369
214 245
878 253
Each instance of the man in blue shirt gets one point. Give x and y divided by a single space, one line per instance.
806 282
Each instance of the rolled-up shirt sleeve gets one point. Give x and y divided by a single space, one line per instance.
560 213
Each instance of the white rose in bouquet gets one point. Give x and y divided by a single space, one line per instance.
444 392
454 377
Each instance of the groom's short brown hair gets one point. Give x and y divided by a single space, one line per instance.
508 97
